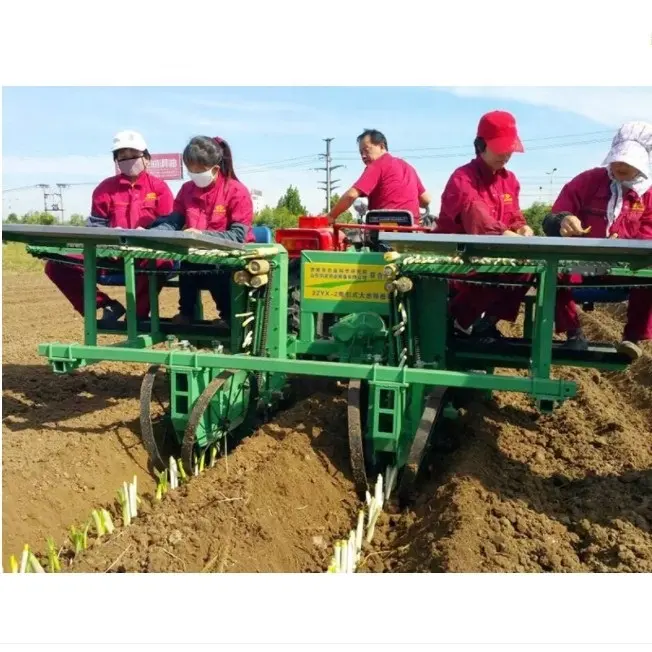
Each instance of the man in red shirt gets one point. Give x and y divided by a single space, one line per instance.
482 198
388 182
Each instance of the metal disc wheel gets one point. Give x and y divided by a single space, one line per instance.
434 405
223 415
155 424
356 416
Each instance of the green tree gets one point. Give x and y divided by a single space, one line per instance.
35 217
276 218
76 219
535 214
347 216
291 200
12 218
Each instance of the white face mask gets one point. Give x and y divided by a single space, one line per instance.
202 179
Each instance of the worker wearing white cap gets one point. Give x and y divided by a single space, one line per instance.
614 201
131 199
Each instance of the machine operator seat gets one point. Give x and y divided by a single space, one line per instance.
387 218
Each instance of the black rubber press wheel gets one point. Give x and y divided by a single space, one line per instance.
432 411
356 416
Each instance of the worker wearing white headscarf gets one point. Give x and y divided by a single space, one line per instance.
614 201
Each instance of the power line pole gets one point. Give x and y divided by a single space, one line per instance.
53 206
44 187
329 184
61 186
552 174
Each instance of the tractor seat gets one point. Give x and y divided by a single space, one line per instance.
390 217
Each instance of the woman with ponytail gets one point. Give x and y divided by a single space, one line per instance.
213 202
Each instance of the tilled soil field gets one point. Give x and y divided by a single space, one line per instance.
511 491
524 492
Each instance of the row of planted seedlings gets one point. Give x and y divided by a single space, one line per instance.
347 555
101 523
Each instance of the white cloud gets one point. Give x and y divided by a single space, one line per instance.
609 106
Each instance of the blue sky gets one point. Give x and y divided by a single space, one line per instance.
63 134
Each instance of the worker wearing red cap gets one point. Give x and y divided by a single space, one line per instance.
482 198
131 199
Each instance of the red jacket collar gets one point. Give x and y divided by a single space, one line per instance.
486 173
126 181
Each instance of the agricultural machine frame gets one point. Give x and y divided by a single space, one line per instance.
390 336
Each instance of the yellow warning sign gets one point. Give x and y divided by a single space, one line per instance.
344 282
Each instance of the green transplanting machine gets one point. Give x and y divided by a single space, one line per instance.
369 308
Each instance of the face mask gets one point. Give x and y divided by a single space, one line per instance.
634 182
133 167
202 179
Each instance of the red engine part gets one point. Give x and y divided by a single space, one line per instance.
313 233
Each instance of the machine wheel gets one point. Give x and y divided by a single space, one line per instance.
155 424
294 320
228 422
357 418
434 406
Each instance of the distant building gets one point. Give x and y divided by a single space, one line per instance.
257 198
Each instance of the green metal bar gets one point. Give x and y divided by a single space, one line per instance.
153 304
528 323
90 295
130 290
544 320
411 423
307 328
521 362
238 301
278 319
435 305
316 347
553 388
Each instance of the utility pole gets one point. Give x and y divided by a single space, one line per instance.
61 186
53 206
44 187
329 184
552 174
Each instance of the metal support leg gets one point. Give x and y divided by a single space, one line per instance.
130 289
153 304
90 295
529 317
199 308
544 320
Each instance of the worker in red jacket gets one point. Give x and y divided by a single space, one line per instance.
614 201
482 198
389 182
214 202
131 199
